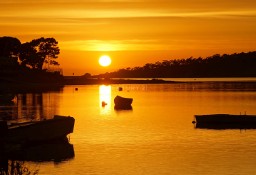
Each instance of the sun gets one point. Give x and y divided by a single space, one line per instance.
104 60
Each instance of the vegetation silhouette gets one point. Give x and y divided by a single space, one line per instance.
233 65
28 64
37 52
33 54
14 167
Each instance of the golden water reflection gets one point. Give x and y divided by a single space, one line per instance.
27 106
105 99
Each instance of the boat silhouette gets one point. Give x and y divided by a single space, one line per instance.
36 131
122 103
225 121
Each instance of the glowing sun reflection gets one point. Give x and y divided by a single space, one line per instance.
105 99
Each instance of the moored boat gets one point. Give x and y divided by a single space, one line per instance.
37 131
122 102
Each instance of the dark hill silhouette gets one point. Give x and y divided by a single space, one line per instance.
233 65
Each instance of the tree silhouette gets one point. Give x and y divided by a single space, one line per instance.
28 56
38 52
9 47
9 53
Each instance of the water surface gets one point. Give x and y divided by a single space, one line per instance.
155 137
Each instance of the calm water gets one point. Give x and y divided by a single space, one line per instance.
156 137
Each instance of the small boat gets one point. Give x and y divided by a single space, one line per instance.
37 131
122 102
226 119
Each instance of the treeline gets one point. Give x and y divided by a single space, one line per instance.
234 65
29 61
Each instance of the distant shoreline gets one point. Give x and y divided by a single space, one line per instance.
79 80
91 81
21 86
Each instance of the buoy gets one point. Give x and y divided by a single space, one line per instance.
120 88
103 103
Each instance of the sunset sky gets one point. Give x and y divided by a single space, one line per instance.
132 32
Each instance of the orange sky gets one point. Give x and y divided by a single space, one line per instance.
132 32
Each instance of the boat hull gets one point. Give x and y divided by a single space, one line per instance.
56 128
226 118
222 126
